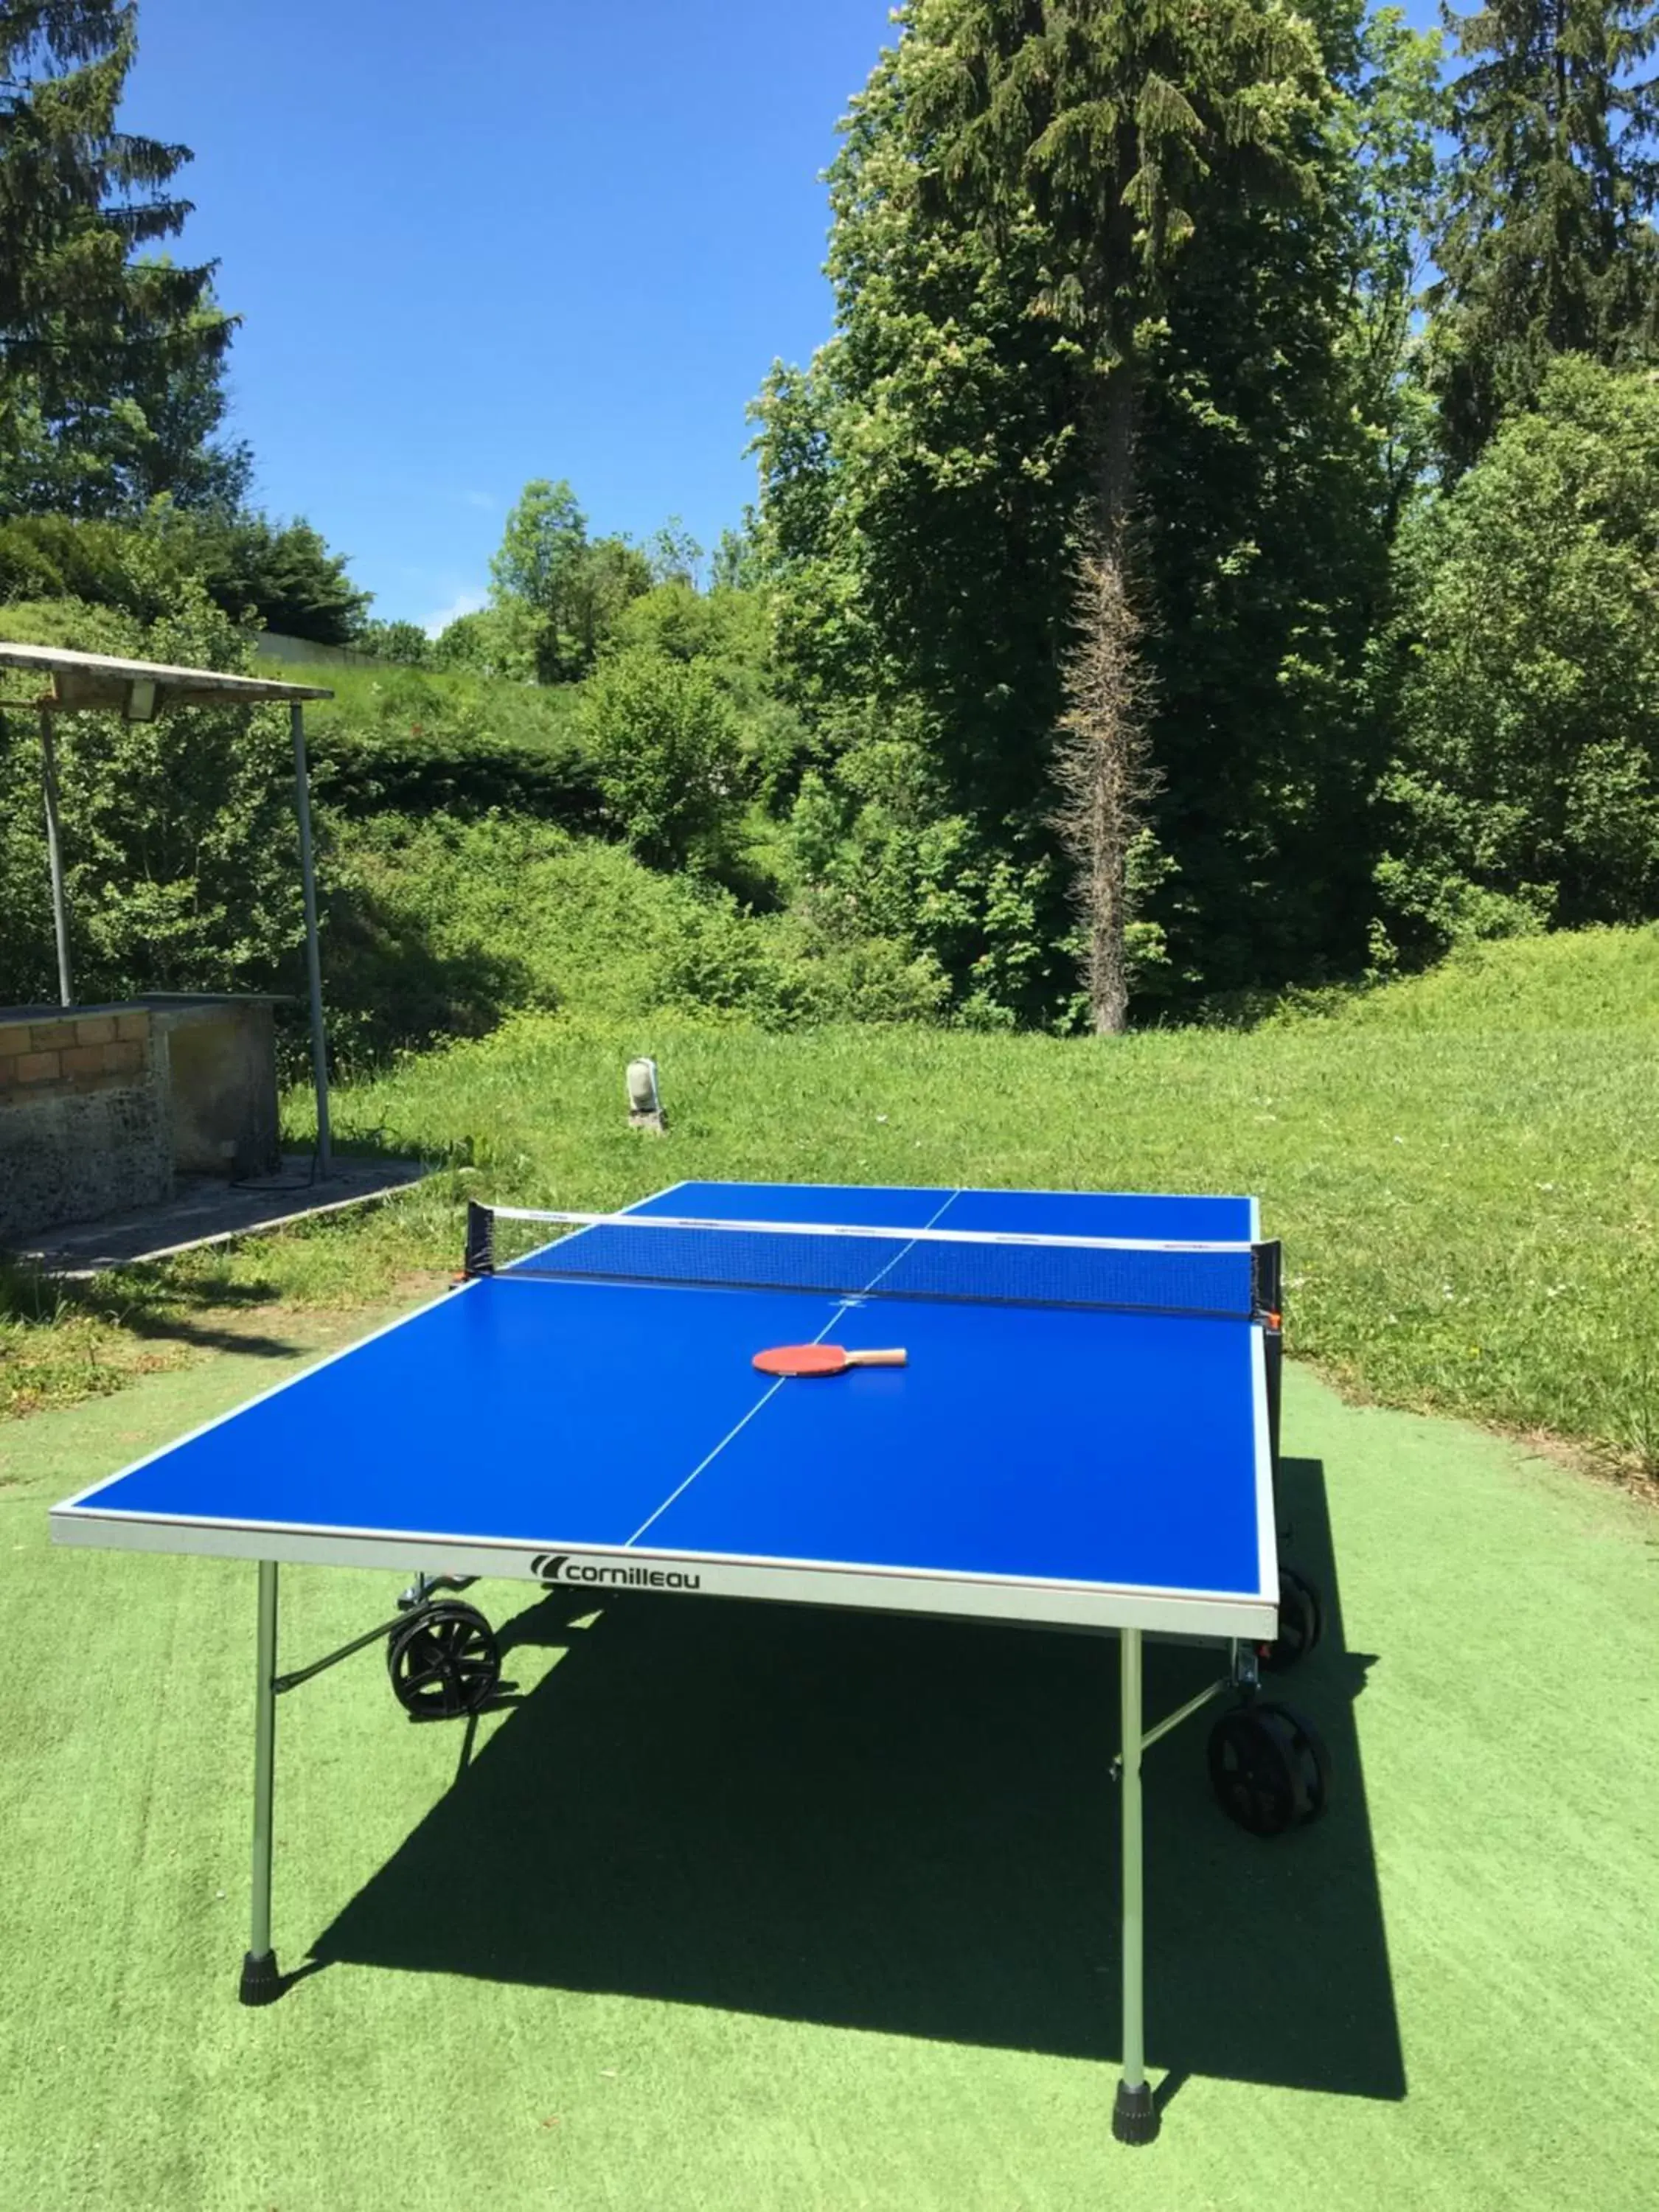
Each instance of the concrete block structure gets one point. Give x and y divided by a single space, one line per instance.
104 1108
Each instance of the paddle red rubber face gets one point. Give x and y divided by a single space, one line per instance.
821 1360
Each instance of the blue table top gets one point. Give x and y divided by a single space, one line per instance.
518 1423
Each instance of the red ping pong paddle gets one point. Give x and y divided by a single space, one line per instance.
821 1360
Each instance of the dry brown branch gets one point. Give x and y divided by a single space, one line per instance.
1103 770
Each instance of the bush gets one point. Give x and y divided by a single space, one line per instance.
97 564
666 749
442 928
1526 790
405 741
404 643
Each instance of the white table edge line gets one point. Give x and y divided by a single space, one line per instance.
625 1555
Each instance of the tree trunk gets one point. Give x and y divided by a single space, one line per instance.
1103 765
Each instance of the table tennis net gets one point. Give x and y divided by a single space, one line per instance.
852 1260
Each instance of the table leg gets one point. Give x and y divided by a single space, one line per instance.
261 1979
1134 2116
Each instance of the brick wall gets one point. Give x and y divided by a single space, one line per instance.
83 1122
78 1053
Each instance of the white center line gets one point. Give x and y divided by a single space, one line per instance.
714 1455
768 1395
910 1247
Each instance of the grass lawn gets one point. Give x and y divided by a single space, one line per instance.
743 1907
1461 1167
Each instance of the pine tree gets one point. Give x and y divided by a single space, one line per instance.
1547 244
1107 122
1051 333
106 354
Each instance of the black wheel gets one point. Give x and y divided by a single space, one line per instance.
1300 1623
1269 1769
443 1661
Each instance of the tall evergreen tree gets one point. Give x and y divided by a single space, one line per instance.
1106 123
110 358
1548 243
928 485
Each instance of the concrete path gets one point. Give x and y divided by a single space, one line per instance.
206 1211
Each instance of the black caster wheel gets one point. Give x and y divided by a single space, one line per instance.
1300 1623
1269 1769
444 1662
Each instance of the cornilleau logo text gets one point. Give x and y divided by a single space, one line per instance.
559 1567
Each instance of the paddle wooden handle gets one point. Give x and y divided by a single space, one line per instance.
876 1359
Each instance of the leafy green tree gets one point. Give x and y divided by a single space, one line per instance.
736 564
674 555
1526 790
558 592
180 849
730 631
1102 125
533 576
108 564
404 642
280 575
151 436
475 641
110 359
1548 243
666 746
613 575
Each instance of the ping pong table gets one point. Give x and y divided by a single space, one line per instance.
1084 1436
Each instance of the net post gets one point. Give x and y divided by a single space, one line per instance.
1267 1269
479 1257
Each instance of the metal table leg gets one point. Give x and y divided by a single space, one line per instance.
1134 2116
262 1981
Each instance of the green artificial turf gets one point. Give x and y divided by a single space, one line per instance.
749 1908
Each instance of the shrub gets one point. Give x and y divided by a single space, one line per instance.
665 745
408 741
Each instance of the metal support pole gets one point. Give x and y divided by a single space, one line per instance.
262 1981
55 859
1159 1729
1134 2116
313 960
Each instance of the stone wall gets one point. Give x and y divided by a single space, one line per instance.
84 1128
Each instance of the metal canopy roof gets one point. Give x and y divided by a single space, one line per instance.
102 679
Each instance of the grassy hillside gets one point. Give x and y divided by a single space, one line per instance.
441 928
416 740
465 879
1460 1166
1572 983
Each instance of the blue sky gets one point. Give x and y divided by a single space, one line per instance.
474 245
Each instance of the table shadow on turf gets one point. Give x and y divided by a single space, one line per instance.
903 1826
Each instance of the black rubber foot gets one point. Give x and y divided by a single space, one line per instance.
1134 2116
262 1979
